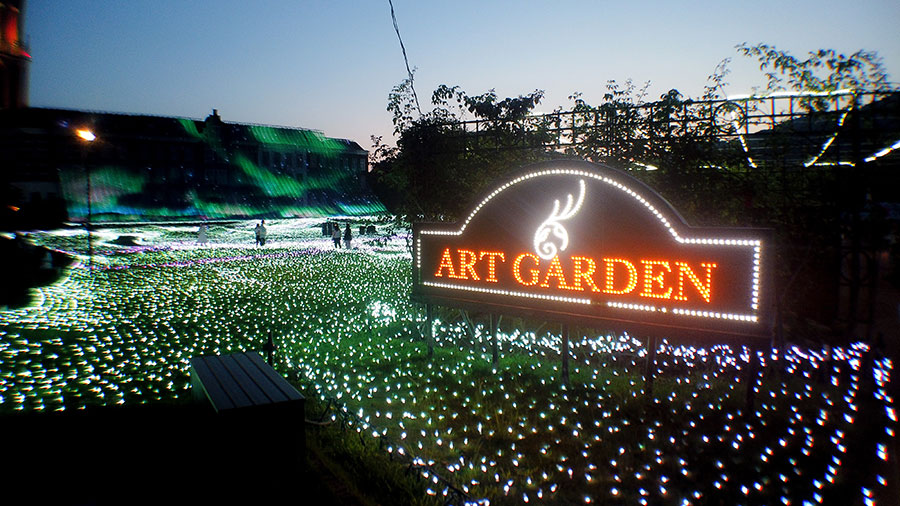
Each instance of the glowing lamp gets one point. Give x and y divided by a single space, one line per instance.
85 135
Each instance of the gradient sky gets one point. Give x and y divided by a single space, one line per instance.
330 64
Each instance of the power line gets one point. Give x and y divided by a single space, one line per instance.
405 59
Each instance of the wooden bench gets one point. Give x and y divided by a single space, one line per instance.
258 414
240 381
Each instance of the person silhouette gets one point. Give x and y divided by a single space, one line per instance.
336 235
261 233
347 236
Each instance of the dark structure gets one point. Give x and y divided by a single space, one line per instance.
160 168
58 165
14 57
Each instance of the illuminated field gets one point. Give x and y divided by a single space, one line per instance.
820 431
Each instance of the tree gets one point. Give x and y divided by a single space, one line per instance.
439 164
822 70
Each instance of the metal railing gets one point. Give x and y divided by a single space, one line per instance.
801 128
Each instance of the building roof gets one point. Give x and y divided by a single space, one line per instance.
107 124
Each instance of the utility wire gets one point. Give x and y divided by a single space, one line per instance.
405 59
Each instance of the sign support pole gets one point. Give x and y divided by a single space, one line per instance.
650 365
429 331
565 354
494 337
750 377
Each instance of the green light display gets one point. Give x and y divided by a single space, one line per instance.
823 426
304 139
221 171
273 185
190 126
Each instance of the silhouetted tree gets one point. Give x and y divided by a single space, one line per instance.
439 164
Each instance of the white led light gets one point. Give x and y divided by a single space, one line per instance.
827 144
544 246
746 149
794 94
634 307
883 152
721 316
419 252
510 293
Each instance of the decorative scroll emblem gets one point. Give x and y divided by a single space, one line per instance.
552 231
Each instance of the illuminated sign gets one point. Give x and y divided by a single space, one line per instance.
579 241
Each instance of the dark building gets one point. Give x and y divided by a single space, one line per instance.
14 57
138 167
159 168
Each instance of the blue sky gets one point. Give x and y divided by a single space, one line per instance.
329 65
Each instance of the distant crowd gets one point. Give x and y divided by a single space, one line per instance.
336 235
261 234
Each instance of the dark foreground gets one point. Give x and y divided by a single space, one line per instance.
161 455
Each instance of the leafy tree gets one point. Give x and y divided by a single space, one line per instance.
439 164
669 143
822 70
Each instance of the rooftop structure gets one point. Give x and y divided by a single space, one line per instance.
141 167
14 57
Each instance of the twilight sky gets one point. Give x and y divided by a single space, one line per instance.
330 64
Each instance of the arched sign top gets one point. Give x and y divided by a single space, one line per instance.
577 239
634 189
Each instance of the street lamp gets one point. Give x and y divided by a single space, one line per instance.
86 135
87 138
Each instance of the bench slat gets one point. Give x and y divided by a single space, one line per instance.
277 380
212 388
238 397
241 380
262 377
254 389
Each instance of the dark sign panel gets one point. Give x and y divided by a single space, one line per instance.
579 241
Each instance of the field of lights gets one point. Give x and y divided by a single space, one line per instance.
821 430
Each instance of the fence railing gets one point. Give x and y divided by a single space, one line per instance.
801 128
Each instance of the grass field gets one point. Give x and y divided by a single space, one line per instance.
820 430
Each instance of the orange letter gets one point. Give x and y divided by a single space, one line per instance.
534 272
652 280
467 261
555 271
446 263
492 263
585 275
704 289
610 274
